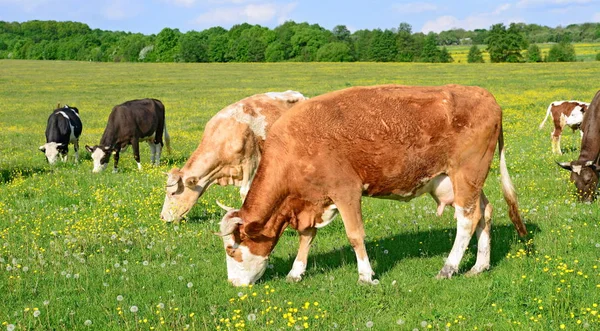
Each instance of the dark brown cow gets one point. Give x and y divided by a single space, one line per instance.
390 141
584 170
569 113
128 124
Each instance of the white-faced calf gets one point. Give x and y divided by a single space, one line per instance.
390 141
64 127
128 124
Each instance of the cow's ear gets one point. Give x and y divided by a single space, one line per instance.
89 149
42 149
565 165
595 167
191 181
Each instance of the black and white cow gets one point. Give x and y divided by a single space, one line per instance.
64 127
128 124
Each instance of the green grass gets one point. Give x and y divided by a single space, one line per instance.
73 243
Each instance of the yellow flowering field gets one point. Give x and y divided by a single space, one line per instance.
83 251
583 51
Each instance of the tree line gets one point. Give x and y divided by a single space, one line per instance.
290 41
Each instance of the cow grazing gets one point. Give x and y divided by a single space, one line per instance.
390 141
64 127
585 170
228 153
130 123
569 113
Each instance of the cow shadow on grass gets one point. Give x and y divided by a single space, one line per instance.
387 252
9 174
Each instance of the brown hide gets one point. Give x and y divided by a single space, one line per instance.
565 108
381 141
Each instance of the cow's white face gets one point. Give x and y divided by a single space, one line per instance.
100 156
51 150
243 267
179 198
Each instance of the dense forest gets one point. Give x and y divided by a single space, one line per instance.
290 41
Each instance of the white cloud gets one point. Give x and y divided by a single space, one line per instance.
182 3
477 21
121 9
414 7
27 5
551 3
251 13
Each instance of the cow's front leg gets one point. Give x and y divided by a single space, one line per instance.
351 216
135 144
299 267
117 152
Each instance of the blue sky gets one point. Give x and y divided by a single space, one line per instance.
151 16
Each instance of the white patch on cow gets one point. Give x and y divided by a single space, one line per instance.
289 96
577 169
365 272
72 138
97 156
327 217
249 270
257 124
139 166
576 117
51 151
298 269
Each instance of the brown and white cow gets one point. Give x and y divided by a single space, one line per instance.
390 141
585 170
228 153
564 113
128 124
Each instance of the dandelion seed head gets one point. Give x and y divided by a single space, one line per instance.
369 324
133 309
190 284
119 298
251 317
36 313
87 323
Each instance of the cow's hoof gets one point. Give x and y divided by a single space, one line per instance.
293 278
363 280
446 272
476 270
115 170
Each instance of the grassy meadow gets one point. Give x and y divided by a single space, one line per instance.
83 251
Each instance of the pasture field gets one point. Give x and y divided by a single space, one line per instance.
83 251
583 51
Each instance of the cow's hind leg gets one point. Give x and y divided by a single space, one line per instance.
299 267
158 149
152 151
76 148
483 239
352 218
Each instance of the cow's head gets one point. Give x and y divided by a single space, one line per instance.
181 194
585 177
100 156
53 150
244 267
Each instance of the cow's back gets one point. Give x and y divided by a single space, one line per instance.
391 136
139 118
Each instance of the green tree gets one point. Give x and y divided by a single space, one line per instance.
361 41
274 52
444 56
534 54
307 40
193 47
430 52
383 46
561 52
504 45
406 44
334 52
475 55
166 45
341 33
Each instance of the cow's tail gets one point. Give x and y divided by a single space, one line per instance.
508 190
545 118
167 140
